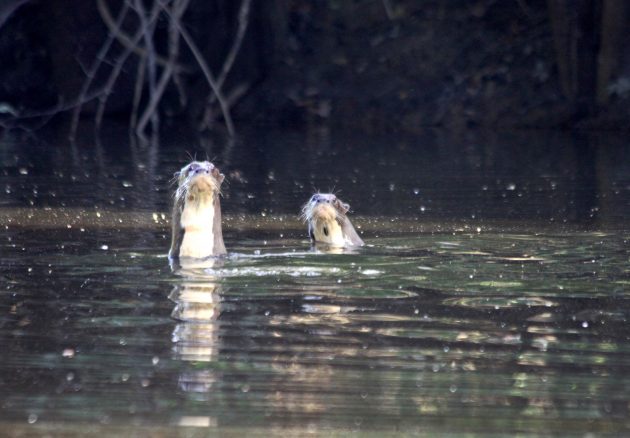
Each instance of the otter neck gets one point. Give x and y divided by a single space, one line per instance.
197 221
329 232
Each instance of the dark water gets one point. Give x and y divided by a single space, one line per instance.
492 298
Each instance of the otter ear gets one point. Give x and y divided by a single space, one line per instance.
218 175
343 206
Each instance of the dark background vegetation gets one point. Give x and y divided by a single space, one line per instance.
368 64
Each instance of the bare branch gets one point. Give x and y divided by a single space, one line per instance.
137 94
178 9
388 9
243 22
120 62
148 30
225 110
7 8
91 73
127 41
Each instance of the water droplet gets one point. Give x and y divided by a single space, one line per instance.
245 388
124 377
127 184
511 187
416 191
423 208
145 382
155 360
68 352
70 377
104 247
585 324
24 171
453 388
32 418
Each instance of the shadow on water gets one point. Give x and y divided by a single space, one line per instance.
491 298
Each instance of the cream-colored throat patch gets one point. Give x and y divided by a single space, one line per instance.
328 231
197 222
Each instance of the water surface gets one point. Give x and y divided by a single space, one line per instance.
491 298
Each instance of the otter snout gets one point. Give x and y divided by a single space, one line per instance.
322 210
201 182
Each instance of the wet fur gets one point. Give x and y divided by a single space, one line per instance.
196 218
328 222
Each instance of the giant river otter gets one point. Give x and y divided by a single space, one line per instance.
196 222
328 222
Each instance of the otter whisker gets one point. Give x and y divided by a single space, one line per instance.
305 216
175 179
180 192
306 213
226 182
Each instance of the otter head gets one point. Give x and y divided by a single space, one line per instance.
196 221
328 222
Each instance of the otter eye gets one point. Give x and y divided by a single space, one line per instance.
193 167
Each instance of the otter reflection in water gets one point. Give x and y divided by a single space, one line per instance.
328 222
196 220
197 297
